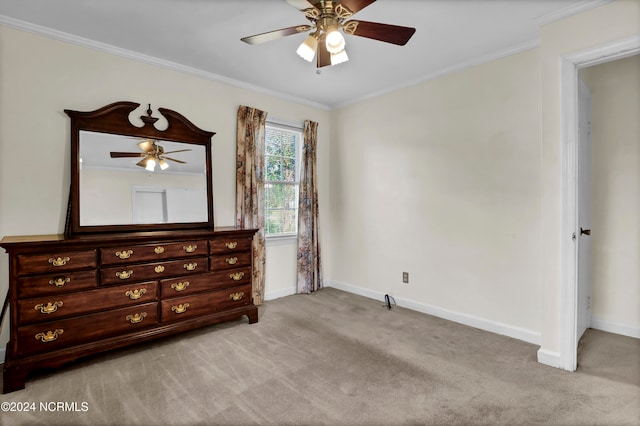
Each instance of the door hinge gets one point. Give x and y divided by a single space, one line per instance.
573 236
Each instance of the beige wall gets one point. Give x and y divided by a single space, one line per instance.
40 77
443 180
605 24
615 90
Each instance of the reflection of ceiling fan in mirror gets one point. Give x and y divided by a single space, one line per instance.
153 154
327 19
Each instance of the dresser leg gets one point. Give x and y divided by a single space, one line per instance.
13 379
253 315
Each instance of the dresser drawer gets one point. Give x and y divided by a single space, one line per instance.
150 271
232 277
204 303
229 245
230 261
53 262
65 305
63 333
181 286
151 252
40 285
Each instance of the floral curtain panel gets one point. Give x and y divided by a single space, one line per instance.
250 188
309 267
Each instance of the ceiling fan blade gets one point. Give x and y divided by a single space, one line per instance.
382 32
173 159
274 35
323 55
356 5
180 150
126 154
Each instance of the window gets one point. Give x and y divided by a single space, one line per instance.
282 153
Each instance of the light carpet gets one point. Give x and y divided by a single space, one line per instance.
335 358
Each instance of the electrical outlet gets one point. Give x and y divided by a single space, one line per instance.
405 277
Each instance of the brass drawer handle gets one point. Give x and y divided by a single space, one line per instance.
49 336
231 260
159 269
136 318
159 250
236 296
178 309
181 286
190 249
135 294
123 275
49 308
59 281
190 266
124 254
59 261
231 245
236 276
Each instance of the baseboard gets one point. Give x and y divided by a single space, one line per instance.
460 318
552 359
616 328
271 295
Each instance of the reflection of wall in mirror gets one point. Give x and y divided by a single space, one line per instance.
185 205
111 204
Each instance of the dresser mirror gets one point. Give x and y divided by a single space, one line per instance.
131 178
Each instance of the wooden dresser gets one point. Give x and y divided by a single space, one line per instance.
75 296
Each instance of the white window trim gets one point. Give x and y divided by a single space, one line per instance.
285 239
281 240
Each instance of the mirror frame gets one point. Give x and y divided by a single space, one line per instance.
114 119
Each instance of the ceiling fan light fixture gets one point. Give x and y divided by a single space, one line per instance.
329 21
163 165
340 57
151 164
307 49
334 40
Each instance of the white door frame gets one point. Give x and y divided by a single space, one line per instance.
570 64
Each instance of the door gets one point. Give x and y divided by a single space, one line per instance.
583 239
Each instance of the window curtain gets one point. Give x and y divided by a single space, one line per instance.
309 267
250 188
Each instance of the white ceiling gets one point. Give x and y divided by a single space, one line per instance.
203 37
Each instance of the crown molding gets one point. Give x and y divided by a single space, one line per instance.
511 50
147 59
542 20
567 11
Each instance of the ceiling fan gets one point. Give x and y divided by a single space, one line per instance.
152 153
327 18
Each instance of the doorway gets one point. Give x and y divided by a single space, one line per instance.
573 305
608 277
